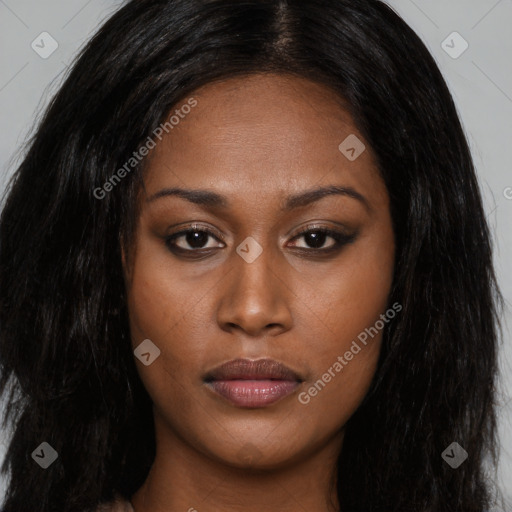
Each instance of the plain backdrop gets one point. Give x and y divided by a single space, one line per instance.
480 79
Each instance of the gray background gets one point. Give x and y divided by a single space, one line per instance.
480 80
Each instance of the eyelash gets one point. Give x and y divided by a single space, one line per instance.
340 239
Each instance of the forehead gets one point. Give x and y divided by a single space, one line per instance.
264 132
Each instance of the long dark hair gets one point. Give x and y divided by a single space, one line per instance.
67 368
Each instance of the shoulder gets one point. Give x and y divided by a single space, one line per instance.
118 505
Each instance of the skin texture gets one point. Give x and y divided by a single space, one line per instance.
256 140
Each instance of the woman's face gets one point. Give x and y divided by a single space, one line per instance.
256 288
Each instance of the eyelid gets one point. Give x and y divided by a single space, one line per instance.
312 226
179 233
341 236
340 230
197 227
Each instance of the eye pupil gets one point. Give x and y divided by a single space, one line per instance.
315 239
196 237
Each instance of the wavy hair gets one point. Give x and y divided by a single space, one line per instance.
67 369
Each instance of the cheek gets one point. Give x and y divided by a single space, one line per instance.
350 296
157 300
159 310
348 305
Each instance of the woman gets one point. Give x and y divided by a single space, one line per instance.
245 265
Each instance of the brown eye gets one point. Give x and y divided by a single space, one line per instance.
315 239
191 240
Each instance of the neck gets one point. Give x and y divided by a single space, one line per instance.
185 478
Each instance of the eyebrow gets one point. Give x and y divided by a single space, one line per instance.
210 199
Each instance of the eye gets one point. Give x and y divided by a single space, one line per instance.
193 239
201 240
316 237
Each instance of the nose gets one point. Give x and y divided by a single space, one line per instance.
255 297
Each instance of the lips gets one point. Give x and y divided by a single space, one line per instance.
251 384
252 370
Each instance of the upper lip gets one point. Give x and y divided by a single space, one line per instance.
252 369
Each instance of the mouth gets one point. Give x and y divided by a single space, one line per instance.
252 384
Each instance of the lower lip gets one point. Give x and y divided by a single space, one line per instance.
253 393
